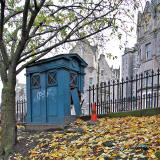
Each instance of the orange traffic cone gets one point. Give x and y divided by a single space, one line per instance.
94 114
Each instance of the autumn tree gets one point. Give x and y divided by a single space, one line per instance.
30 29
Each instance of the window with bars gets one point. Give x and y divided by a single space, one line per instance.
90 81
73 79
35 81
148 51
52 78
102 72
148 75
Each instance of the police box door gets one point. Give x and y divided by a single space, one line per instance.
75 94
37 96
52 88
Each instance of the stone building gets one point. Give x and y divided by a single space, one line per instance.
20 91
148 37
145 56
130 65
97 71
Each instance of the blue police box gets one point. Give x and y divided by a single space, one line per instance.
53 84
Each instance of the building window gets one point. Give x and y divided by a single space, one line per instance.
149 100
147 25
82 50
102 72
35 81
52 78
148 75
90 81
148 51
140 55
73 79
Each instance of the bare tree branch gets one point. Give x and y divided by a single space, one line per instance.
89 35
35 4
2 2
30 24
73 31
31 61
47 50
14 39
12 15
41 45
33 32
62 42
31 9
25 15
41 33
15 57
26 29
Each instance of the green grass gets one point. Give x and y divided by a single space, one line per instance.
137 113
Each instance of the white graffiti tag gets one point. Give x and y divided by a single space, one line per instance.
40 94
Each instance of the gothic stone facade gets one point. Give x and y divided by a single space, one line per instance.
145 55
97 70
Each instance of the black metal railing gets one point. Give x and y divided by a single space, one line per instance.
134 93
21 110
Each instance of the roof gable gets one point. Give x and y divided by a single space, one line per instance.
61 56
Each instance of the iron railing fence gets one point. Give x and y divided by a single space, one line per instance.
21 110
136 93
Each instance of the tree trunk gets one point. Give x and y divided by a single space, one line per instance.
9 130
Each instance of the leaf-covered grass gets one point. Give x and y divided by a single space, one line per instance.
113 138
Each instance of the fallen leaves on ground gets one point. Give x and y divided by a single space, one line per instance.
113 138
